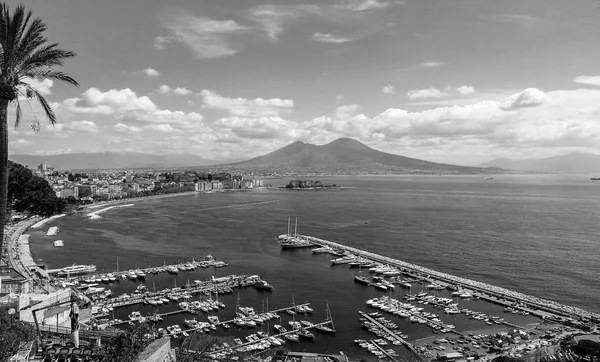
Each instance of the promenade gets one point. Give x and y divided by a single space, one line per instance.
18 254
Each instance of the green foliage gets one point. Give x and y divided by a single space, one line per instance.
586 347
507 359
13 335
30 193
127 346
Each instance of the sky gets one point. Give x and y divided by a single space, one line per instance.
455 81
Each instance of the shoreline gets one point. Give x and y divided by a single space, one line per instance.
18 246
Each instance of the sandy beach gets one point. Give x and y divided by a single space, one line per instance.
95 214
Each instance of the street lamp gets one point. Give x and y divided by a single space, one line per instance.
11 313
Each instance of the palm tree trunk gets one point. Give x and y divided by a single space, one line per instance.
3 167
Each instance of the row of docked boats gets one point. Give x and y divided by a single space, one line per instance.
373 348
413 313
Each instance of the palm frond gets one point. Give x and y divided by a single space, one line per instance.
47 109
18 117
52 74
47 56
31 39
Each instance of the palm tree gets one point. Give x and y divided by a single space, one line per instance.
25 54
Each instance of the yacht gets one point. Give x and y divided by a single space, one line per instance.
305 334
77 269
131 275
361 279
172 269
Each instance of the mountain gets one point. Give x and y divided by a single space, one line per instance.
348 155
111 160
569 163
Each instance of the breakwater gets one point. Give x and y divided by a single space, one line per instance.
498 292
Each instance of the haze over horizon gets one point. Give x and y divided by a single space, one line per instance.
453 82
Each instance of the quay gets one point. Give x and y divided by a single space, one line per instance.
373 343
122 274
266 338
503 296
217 286
392 334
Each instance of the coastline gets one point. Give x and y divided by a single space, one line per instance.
19 253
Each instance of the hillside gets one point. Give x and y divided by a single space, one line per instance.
111 160
349 155
569 163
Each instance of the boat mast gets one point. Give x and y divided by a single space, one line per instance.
329 317
296 229
288 233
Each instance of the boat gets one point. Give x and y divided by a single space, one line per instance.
59 243
172 269
131 275
305 334
292 337
77 269
52 231
261 284
135 316
324 328
344 259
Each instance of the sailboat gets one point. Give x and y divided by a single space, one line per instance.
288 241
324 328
361 278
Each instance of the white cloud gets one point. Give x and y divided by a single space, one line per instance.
588 79
149 72
42 86
530 97
81 126
346 111
180 91
465 90
339 97
431 64
257 107
120 127
207 38
388 89
362 5
425 93
273 18
330 38
94 101
161 127
259 127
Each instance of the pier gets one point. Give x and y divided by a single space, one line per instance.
122 274
502 295
392 334
266 338
219 285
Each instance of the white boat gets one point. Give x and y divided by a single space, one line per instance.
59 243
52 231
77 269
172 269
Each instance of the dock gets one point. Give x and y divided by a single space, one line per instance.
274 335
504 296
220 285
407 344
122 274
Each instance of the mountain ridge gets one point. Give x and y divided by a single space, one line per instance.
350 154
574 162
111 160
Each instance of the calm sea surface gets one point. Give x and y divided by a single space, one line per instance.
538 235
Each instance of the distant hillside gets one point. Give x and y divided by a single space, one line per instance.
111 160
346 154
569 163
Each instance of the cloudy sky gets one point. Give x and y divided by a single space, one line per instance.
458 81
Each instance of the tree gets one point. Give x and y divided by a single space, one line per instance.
30 193
13 334
25 54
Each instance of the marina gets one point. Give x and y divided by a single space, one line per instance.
484 291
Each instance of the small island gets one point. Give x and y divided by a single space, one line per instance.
307 185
